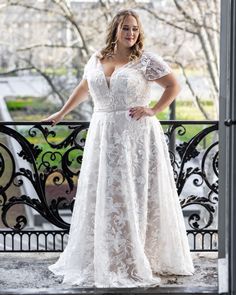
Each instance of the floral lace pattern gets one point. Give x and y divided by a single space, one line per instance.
127 226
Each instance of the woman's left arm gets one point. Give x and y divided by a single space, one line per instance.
172 89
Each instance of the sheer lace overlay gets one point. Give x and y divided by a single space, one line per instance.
127 225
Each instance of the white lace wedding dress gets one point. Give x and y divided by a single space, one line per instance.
127 226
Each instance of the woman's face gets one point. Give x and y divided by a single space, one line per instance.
128 33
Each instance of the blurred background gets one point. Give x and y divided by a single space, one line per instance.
45 44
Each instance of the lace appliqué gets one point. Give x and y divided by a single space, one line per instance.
154 67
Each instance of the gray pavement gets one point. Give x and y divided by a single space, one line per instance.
29 270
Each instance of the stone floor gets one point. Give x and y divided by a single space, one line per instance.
28 271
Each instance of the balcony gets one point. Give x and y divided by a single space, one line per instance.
39 169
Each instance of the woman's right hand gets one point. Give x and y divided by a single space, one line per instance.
54 118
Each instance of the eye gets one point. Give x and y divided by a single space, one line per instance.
134 29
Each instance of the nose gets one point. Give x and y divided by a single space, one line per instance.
130 33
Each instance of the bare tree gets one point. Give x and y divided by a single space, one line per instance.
60 16
196 21
192 28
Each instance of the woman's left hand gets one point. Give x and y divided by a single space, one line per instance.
138 112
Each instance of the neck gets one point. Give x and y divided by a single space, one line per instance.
122 51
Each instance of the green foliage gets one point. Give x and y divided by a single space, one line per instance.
34 105
186 110
14 105
56 71
60 71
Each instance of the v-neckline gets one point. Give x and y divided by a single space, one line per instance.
105 77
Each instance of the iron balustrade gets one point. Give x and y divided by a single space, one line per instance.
37 156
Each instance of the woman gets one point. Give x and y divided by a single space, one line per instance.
127 226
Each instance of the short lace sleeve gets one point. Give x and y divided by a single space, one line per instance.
91 63
153 66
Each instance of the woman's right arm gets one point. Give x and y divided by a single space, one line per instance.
79 94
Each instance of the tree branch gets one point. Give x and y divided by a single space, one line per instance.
172 24
208 38
196 98
17 3
209 62
47 45
15 71
68 14
192 20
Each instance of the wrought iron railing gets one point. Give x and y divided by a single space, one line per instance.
39 169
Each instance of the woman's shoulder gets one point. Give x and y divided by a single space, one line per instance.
93 58
94 54
153 65
151 55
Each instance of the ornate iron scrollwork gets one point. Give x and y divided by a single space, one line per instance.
41 168
204 174
193 163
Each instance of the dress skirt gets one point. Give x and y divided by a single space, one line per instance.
127 226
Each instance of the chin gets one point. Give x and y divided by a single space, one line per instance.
130 45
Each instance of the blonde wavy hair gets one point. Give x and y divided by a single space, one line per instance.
111 39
